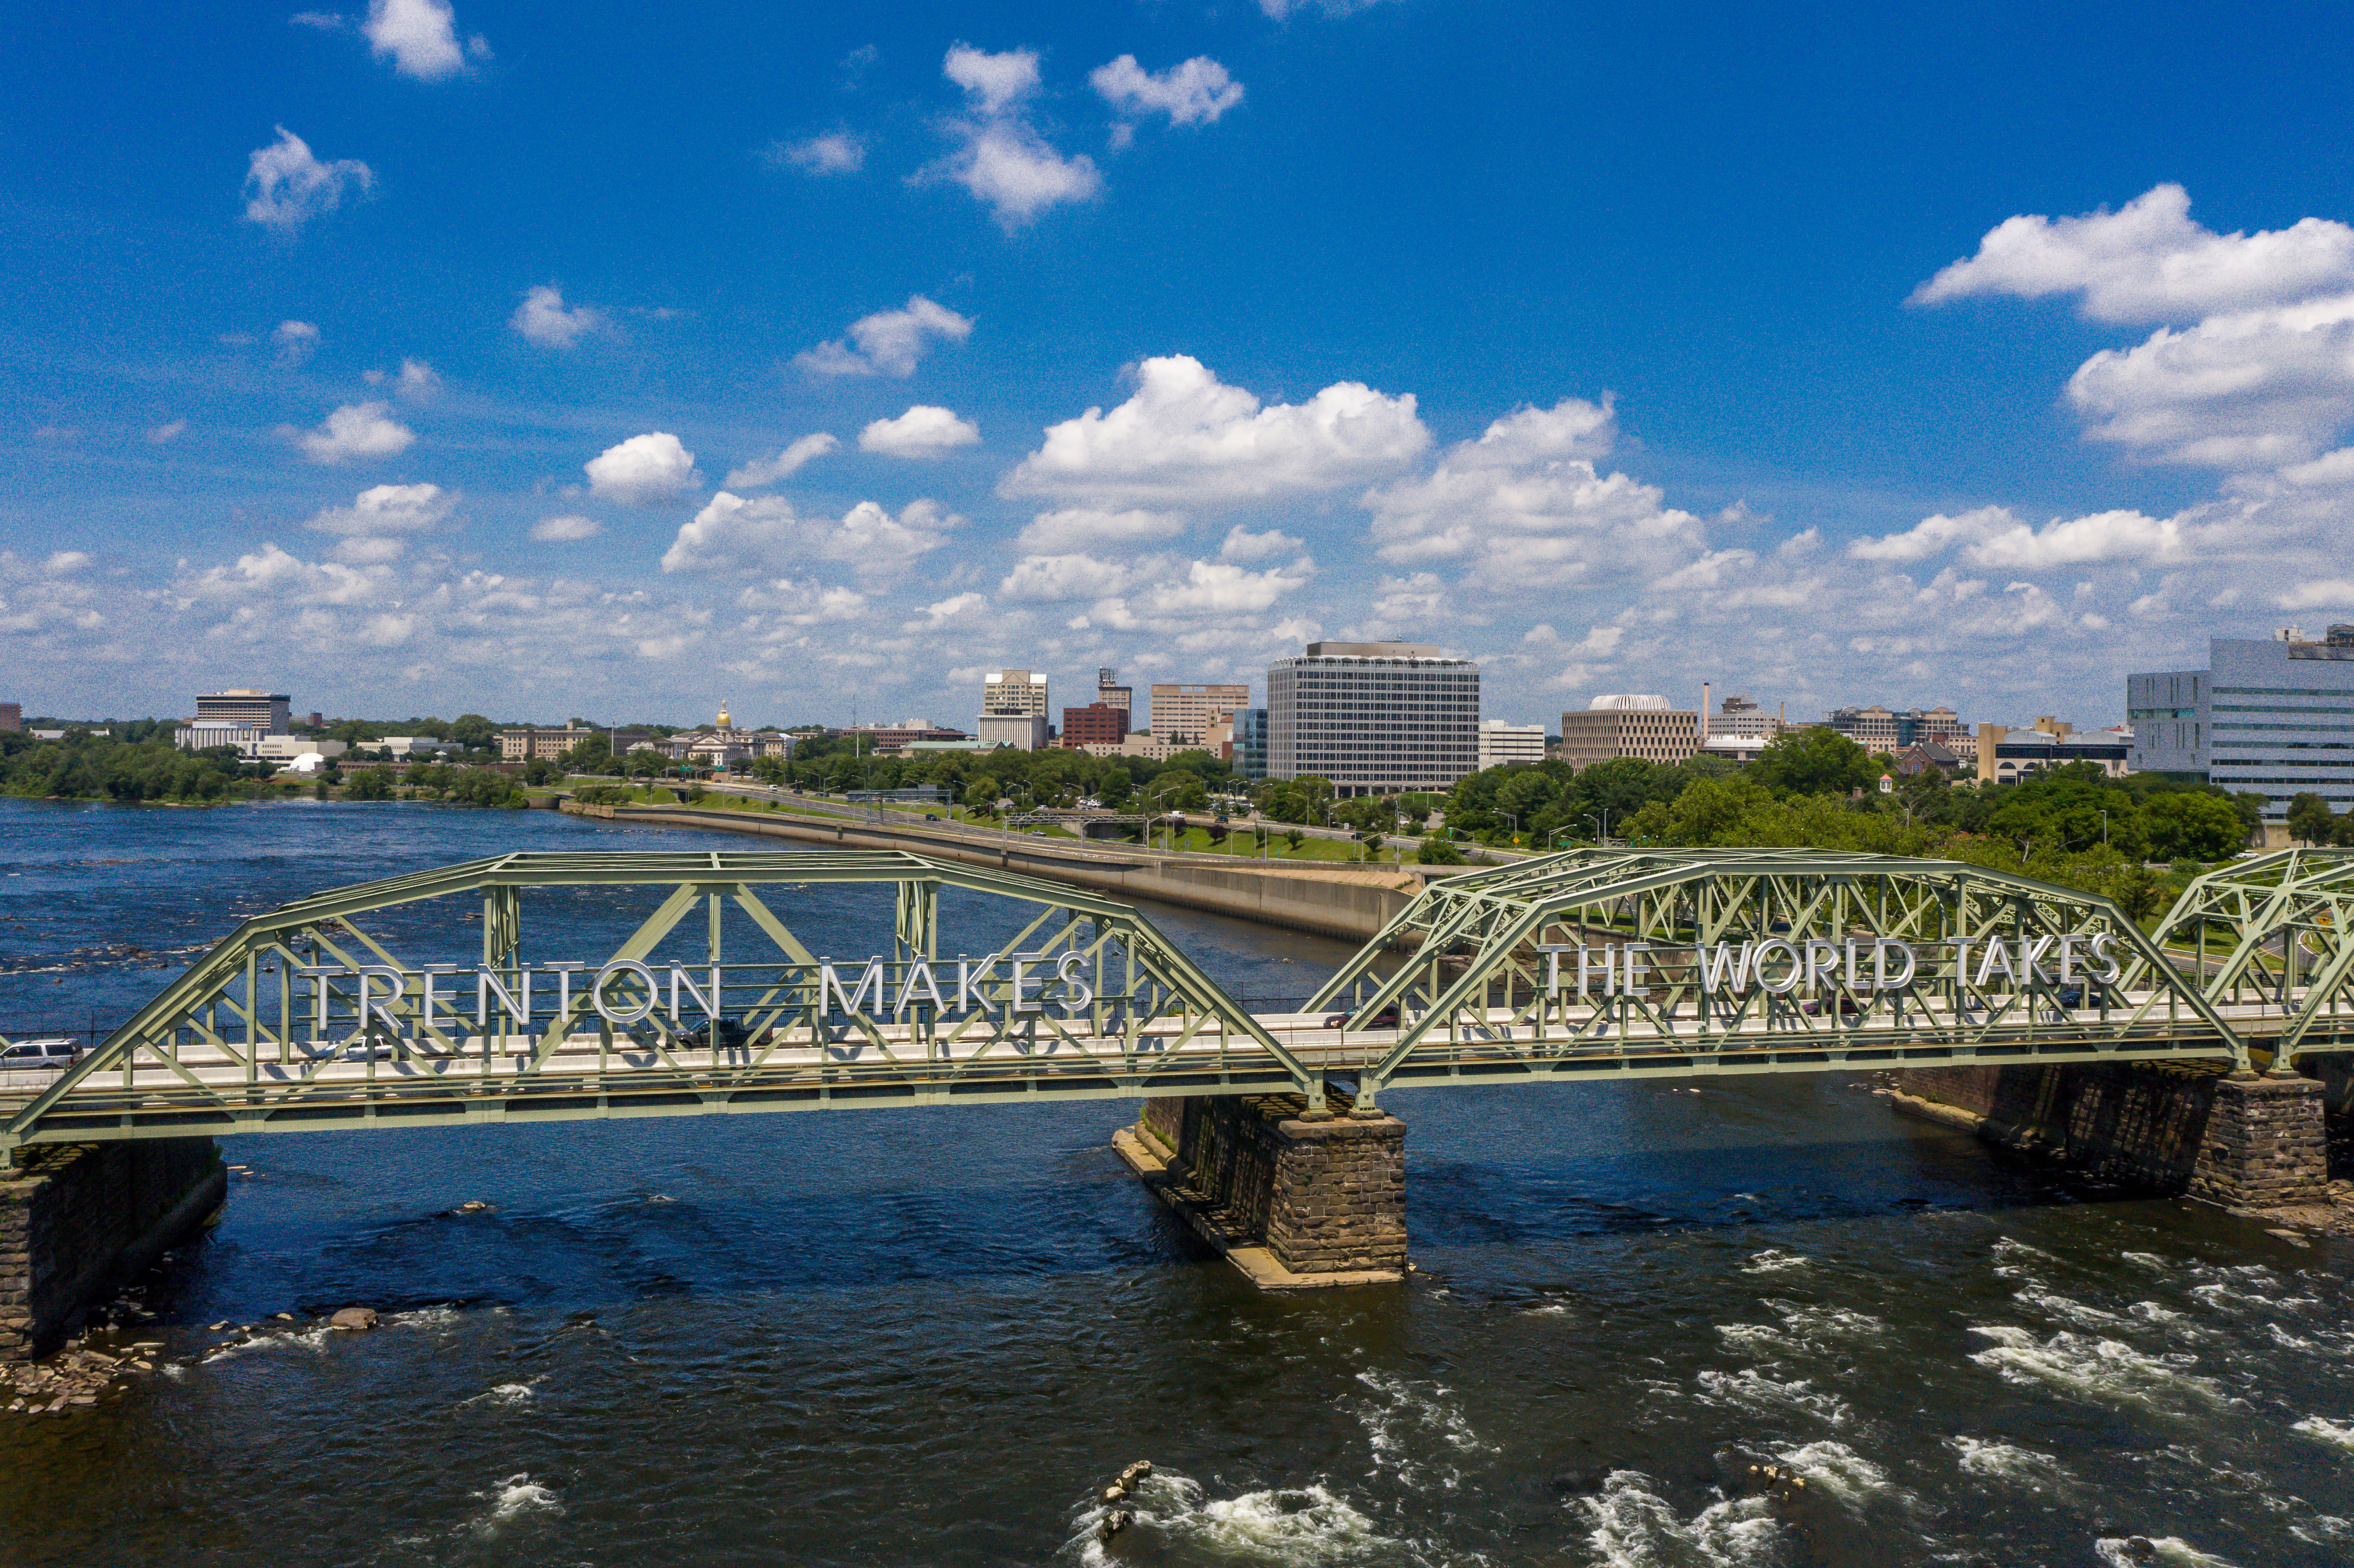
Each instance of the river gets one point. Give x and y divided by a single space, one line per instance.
928 1338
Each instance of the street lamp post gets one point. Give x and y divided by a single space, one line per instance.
1603 833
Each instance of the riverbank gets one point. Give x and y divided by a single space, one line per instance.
1352 904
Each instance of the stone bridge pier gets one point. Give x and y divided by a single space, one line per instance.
2246 1141
1294 1201
81 1221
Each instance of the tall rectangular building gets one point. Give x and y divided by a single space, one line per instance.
1013 693
1111 693
1250 742
2269 717
1183 715
1374 718
269 712
12 717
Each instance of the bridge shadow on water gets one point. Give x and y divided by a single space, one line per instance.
584 1215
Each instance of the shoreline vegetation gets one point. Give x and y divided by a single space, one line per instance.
89 766
2134 839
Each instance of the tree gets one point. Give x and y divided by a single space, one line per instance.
475 732
2139 894
1437 852
2310 818
2192 825
369 784
1816 760
1177 789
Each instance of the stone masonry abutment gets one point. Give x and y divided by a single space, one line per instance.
77 1220
1294 1202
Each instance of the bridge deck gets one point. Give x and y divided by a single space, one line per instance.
212 1087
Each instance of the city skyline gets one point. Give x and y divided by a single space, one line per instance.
861 357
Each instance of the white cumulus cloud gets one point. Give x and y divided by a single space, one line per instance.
2149 263
1054 578
1991 536
1185 438
644 470
419 37
542 318
889 343
373 527
285 187
733 535
1197 91
784 465
1004 161
2256 389
1242 544
356 430
923 431
565 529
1523 506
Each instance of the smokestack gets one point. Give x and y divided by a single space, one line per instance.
1703 713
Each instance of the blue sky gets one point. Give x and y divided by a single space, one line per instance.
544 359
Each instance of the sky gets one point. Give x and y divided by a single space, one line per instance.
538 360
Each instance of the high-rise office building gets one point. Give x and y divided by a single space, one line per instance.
268 712
2269 717
12 717
1374 718
1184 716
1013 693
1111 693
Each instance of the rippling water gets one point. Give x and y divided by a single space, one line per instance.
930 1337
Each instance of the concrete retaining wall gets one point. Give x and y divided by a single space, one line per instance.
80 1221
1351 906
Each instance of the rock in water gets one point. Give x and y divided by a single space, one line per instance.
355 1320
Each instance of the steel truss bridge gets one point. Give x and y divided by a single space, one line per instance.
1591 965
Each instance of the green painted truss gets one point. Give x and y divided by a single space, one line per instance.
302 1020
1471 979
2273 933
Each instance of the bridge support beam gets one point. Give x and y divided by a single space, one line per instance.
80 1221
2242 1142
1295 1201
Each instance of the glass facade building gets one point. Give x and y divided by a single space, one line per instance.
2270 717
1374 718
1250 742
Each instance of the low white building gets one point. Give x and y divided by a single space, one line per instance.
1502 743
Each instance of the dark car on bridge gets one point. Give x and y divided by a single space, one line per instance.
1387 1018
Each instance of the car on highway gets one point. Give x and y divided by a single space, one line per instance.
1387 1018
